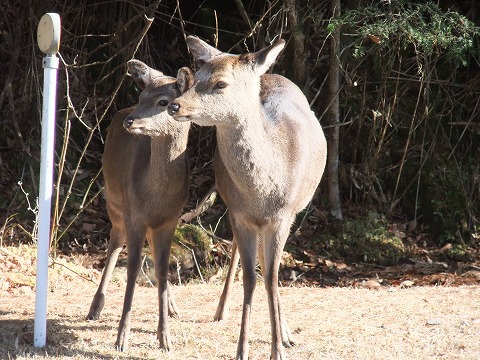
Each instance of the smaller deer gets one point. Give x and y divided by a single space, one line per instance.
146 187
271 153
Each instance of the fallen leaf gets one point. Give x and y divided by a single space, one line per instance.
375 39
406 283
25 290
328 263
445 248
472 273
370 284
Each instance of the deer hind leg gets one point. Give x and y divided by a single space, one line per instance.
273 244
246 239
161 239
135 238
224 302
287 338
172 306
115 245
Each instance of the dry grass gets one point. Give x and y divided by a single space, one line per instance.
331 323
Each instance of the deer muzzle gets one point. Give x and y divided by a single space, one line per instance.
133 126
127 123
173 109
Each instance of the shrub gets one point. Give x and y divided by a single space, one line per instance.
366 240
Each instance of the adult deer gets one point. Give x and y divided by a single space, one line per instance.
271 153
146 187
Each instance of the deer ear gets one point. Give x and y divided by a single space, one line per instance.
263 59
201 51
185 79
141 73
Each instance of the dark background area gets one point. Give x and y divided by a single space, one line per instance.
409 174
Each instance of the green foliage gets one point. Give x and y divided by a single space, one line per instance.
446 194
421 25
459 252
190 237
408 150
366 240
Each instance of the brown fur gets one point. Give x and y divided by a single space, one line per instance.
146 187
270 158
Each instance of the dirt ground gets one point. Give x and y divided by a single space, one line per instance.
386 322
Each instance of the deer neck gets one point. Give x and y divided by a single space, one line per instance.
247 149
166 151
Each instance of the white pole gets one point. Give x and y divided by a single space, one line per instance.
48 38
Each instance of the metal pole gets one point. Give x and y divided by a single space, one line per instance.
49 28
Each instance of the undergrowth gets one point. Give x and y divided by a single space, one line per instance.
410 88
420 25
365 240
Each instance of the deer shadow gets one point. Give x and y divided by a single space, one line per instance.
17 338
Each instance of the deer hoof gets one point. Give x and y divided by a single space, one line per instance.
278 354
121 347
164 342
172 311
96 308
93 315
122 340
220 316
288 340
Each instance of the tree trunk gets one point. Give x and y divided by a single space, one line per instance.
295 52
333 116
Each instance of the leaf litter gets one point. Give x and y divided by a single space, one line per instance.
388 319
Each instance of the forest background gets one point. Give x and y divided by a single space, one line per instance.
395 84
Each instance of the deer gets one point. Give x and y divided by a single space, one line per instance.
270 157
146 173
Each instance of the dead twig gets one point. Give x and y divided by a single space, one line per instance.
204 204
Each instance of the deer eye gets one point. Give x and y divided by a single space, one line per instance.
162 103
220 85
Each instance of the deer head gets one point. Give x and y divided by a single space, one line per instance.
158 91
226 84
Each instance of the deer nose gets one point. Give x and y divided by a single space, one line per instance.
173 108
127 123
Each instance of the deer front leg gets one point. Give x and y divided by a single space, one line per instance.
115 245
271 256
247 246
172 307
224 302
287 338
162 240
135 240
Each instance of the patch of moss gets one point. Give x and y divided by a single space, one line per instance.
190 243
366 240
459 253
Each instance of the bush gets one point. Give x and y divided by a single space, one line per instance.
422 26
366 240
